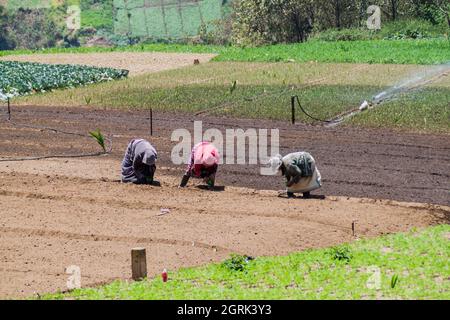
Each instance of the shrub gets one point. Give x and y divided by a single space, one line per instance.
31 29
395 30
217 32
237 262
341 253
344 35
260 22
6 41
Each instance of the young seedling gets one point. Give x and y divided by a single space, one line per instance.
88 100
98 136
233 86
394 281
342 253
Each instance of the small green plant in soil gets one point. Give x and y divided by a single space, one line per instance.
237 262
394 281
98 136
342 253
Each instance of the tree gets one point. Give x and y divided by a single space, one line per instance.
394 9
6 43
435 11
259 22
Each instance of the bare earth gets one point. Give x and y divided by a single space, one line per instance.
57 213
61 212
136 62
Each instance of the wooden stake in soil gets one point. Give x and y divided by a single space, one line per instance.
353 227
151 122
138 264
293 109
9 110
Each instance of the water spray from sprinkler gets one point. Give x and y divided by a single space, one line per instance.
413 82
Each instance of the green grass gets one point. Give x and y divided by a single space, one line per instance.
98 19
424 51
427 110
398 30
377 51
412 265
263 90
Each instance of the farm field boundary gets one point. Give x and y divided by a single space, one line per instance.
423 51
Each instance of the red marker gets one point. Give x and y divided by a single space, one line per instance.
164 275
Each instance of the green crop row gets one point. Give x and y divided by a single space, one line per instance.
422 52
22 78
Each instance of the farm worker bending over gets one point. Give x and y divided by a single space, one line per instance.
203 164
299 168
139 163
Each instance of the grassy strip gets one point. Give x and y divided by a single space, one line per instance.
424 51
427 110
418 259
376 51
263 90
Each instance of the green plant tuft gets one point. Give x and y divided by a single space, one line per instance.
98 136
87 100
237 262
342 253
233 86
394 281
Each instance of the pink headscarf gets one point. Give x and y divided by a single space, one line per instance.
205 156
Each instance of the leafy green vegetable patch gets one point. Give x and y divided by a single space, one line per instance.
22 78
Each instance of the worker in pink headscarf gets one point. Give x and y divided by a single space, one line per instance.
203 164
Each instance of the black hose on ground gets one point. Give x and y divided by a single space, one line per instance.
81 155
296 98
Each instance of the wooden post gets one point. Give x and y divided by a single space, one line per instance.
9 110
138 264
354 227
293 109
151 121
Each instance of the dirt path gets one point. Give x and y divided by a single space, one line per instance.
136 62
57 213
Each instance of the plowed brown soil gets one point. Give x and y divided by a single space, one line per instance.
61 212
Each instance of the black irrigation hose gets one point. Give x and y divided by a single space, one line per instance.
306 113
82 155
86 155
46 128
